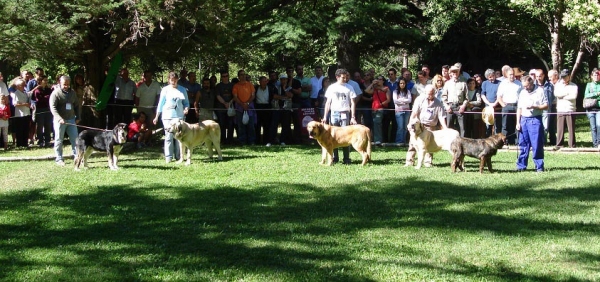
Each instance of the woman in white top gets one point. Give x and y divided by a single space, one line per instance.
22 116
565 92
402 99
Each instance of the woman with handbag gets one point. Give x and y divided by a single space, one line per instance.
592 91
381 99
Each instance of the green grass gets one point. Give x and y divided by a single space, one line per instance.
274 214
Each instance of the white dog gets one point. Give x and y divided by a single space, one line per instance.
425 141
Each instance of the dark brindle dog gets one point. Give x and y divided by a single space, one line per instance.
482 149
112 142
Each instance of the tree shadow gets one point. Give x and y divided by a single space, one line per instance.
120 231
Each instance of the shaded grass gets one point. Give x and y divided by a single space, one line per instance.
275 214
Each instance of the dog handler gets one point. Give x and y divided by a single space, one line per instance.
432 114
66 111
173 105
340 100
530 106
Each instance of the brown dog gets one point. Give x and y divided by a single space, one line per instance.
425 141
482 149
192 135
331 137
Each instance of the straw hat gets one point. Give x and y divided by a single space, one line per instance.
454 69
518 71
487 115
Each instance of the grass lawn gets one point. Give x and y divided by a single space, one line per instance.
274 214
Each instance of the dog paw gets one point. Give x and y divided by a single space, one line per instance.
188 163
180 161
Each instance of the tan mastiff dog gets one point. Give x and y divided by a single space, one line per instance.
193 135
331 137
426 141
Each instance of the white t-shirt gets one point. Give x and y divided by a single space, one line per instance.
340 96
147 94
509 91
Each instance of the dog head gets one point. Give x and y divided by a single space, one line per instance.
120 133
177 129
499 140
314 128
415 127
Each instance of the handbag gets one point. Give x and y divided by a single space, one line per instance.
245 118
589 103
231 110
275 104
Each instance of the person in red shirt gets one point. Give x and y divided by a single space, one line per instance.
138 130
243 96
4 116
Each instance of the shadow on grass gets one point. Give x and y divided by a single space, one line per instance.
140 233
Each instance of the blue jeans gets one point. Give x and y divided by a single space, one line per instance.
43 121
594 118
402 121
377 118
246 132
171 147
336 119
59 135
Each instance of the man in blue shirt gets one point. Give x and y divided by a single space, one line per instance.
489 90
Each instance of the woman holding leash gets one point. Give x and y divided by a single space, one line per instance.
173 105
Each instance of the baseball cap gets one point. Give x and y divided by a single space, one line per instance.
283 76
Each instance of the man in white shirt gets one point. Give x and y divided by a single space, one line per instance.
531 103
340 101
146 97
317 83
508 96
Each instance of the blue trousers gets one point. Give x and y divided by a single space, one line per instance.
336 119
531 136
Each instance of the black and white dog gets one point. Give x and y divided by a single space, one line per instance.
112 142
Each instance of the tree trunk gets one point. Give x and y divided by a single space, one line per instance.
348 55
555 36
580 54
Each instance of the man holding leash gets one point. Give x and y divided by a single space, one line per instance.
431 113
532 102
340 100
65 108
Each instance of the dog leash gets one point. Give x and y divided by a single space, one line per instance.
87 127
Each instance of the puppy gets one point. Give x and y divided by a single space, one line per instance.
112 142
426 141
331 137
193 135
482 149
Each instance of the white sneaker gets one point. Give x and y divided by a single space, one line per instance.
168 160
377 143
268 144
282 144
60 163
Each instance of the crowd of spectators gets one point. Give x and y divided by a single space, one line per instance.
272 109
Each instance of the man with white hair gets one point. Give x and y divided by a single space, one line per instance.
432 115
454 97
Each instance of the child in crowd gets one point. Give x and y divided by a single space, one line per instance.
4 116
138 130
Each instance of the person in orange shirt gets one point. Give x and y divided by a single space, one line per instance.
243 96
